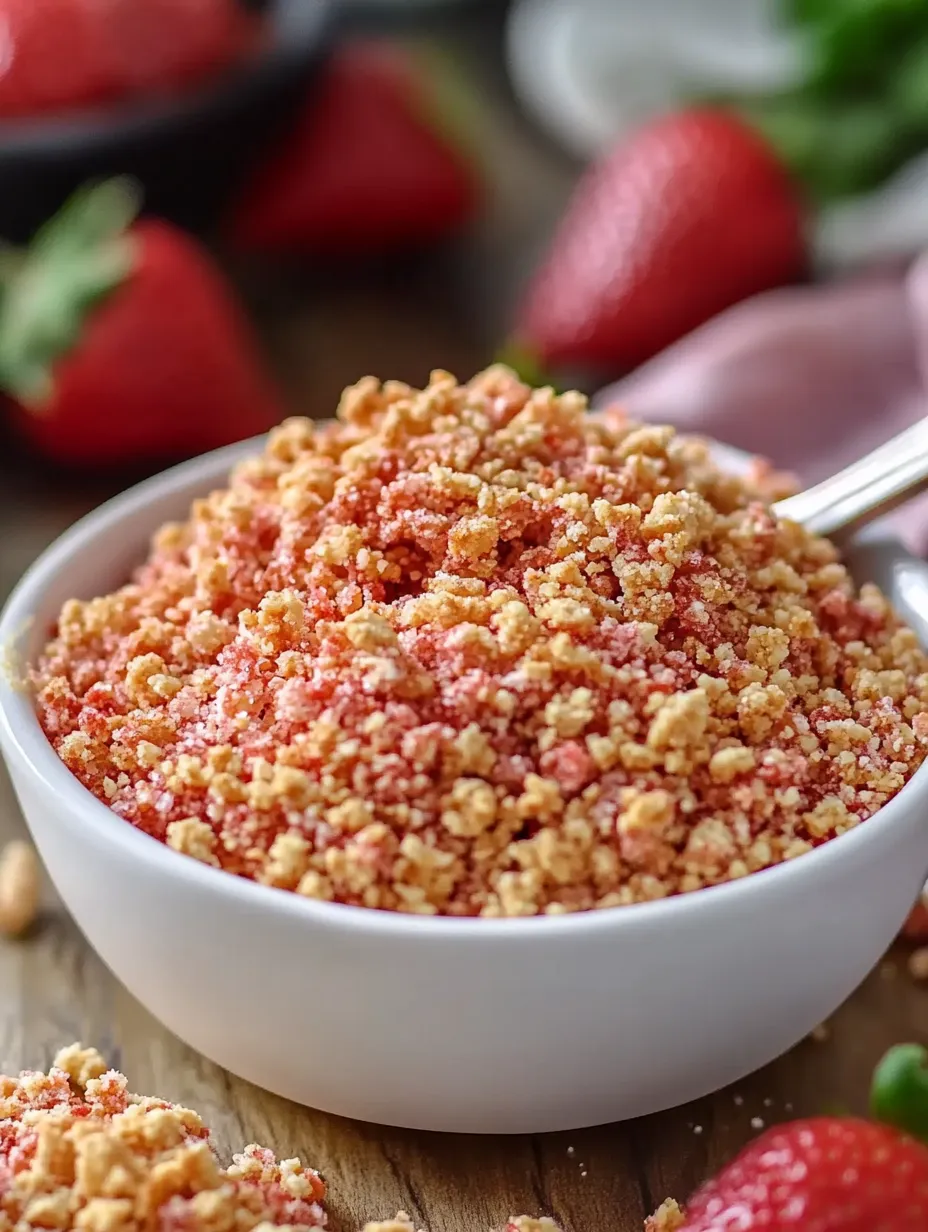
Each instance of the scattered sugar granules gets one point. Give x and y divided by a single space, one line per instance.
470 651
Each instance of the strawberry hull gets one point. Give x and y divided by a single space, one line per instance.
166 367
122 343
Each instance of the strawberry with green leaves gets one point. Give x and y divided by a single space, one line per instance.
374 162
121 343
832 1174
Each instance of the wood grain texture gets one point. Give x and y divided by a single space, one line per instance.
322 332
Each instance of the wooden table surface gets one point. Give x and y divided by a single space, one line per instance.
323 332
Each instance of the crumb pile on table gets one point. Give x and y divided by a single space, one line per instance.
79 1152
470 650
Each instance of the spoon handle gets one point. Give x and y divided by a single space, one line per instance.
865 490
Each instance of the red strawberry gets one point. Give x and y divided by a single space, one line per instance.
916 926
832 1174
690 215
366 168
822 1175
55 57
60 55
165 45
123 345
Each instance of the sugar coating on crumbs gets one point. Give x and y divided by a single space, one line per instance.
470 651
77 1151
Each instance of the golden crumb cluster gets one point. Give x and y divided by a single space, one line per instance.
669 1217
471 651
77 1151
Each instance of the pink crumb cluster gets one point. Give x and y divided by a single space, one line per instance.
471 651
78 1151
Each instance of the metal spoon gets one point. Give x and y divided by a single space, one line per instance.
865 490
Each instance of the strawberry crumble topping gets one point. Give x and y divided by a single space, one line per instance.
471 651
78 1151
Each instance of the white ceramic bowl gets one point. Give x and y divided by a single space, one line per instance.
472 1025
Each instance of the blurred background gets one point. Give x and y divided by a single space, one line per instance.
389 186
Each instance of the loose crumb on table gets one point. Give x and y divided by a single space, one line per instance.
471 651
668 1217
20 883
918 963
79 1152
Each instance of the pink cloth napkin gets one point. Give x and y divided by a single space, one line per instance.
811 378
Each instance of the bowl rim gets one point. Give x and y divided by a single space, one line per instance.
22 737
136 117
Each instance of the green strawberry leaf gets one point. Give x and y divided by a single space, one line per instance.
899 1095
448 101
857 45
909 89
805 12
75 260
833 150
525 365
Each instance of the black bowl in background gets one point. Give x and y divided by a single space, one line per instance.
189 153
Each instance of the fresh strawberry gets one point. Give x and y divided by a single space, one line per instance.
916 926
55 57
688 216
832 1174
121 343
162 46
61 55
369 166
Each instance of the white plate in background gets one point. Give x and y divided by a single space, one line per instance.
587 70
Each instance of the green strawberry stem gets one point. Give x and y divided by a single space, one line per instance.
899 1095
524 364
48 290
447 102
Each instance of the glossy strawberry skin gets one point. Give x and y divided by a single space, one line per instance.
166 46
687 217
365 169
55 58
64 55
819 1175
166 367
